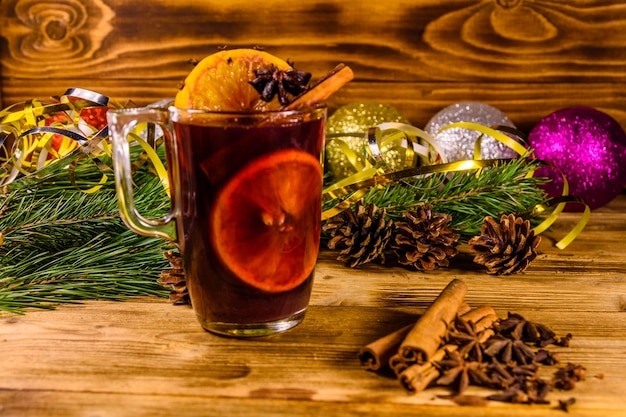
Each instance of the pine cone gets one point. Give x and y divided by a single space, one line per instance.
174 279
361 235
425 240
507 247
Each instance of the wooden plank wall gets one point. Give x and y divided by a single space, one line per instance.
526 57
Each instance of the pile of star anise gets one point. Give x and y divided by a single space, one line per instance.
509 361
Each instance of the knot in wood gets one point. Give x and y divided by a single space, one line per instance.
509 4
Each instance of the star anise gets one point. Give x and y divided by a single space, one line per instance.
271 81
469 341
517 327
523 371
509 349
500 374
520 328
456 370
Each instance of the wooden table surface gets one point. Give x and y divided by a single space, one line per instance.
147 357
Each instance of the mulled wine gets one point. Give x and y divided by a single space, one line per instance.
248 197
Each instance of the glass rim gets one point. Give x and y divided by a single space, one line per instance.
299 110
168 106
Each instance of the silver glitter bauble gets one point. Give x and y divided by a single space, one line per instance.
349 124
457 143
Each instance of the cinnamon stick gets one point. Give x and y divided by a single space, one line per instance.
418 377
482 317
324 88
464 308
424 339
377 354
397 363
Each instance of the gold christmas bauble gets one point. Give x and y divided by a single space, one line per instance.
349 124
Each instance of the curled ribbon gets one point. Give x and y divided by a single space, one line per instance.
376 171
556 205
37 135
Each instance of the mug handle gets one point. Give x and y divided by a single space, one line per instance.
121 123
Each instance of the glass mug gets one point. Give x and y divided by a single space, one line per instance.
245 210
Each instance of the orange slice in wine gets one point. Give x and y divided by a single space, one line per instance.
266 220
221 82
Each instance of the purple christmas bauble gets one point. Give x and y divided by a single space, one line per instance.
588 147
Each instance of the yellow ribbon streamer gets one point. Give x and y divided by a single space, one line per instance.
153 157
559 203
27 132
433 151
496 134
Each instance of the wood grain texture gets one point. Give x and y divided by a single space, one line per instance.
526 57
149 358
146 357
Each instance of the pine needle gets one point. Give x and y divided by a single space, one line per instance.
78 273
62 245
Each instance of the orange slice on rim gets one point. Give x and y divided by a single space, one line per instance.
266 220
221 82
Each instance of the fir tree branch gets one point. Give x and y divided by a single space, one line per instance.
467 196
59 244
102 268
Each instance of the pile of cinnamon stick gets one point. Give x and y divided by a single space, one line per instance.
420 354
